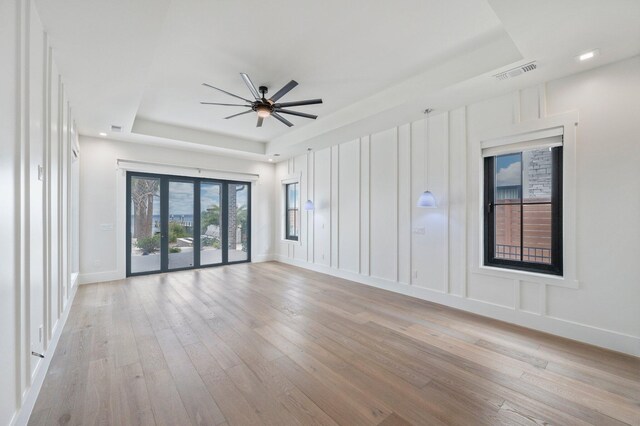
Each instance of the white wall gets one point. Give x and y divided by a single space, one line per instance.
102 199
33 218
366 227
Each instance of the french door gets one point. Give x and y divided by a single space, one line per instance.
177 222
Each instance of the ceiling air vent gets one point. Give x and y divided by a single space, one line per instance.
514 72
116 128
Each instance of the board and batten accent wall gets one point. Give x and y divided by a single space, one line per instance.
38 192
366 226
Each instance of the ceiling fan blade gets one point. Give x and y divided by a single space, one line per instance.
260 120
281 119
250 85
224 91
280 93
299 114
299 103
240 113
216 103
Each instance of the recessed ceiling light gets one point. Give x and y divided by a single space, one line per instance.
270 159
102 134
588 55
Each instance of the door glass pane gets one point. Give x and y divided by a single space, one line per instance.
507 228
180 224
145 224
238 232
537 175
537 233
508 178
210 222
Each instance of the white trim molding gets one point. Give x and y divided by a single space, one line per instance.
519 133
290 178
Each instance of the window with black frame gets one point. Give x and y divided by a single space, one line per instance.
292 211
523 209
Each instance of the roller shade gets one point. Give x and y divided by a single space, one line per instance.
547 138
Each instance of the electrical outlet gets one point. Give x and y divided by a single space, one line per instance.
40 173
420 231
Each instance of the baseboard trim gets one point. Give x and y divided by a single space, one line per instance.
600 337
262 258
30 396
100 277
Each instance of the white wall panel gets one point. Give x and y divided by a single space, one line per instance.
300 169
54 179
531 297
529 104
335 206
430 242
405 203
457 201
365 205
384 205
322 204
497 291
349 210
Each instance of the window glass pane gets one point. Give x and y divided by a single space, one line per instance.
238 235
508 231
145 224
210 222
292 192
508 178
292 195
537 233
180 224
537 175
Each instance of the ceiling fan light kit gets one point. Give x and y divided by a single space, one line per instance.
266 107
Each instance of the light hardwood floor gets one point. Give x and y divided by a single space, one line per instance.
274 344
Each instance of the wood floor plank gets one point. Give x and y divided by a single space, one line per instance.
199 404
270 343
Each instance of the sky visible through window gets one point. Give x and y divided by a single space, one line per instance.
181 196
508 170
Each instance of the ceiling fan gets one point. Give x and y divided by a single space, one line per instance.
267 107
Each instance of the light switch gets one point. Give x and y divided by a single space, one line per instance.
106 226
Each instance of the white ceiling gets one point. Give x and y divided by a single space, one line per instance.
140 64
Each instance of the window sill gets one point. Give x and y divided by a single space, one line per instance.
546 279
292 242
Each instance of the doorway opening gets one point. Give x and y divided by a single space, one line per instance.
177 222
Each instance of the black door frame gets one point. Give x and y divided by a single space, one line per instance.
164 222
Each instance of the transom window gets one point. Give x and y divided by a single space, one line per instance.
523 210
292 215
